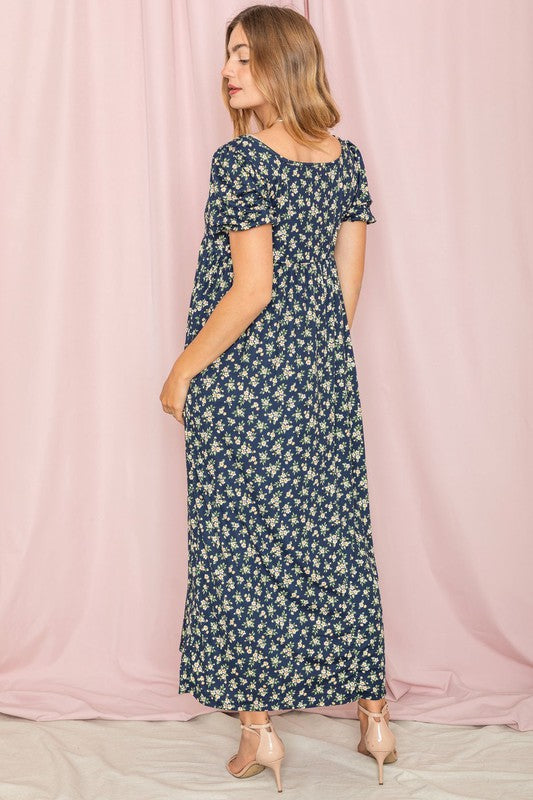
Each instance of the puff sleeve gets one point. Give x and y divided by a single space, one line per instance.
358 200
238 191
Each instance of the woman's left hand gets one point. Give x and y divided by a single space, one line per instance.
174 393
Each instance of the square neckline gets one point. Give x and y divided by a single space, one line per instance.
295 161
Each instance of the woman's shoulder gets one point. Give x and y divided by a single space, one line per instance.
238 160
351 147
237 149
354 153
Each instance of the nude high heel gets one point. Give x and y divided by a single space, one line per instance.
379 740
270 752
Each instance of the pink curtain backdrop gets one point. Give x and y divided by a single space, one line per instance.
110 114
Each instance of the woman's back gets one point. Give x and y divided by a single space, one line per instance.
278 139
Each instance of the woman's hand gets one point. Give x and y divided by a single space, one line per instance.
174 393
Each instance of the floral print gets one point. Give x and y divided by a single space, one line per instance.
283 606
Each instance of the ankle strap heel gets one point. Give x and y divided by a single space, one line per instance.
270 751
380 741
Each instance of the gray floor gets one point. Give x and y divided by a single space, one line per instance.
108 760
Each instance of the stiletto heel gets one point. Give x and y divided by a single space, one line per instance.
276 766
270 753
380 758
379 740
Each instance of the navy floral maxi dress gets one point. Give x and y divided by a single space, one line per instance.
283 607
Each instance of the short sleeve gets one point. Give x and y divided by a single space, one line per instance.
358 199
238 191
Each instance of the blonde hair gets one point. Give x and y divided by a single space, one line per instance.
287 65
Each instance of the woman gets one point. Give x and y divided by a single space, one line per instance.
283 607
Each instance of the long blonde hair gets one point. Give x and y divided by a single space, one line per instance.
287 65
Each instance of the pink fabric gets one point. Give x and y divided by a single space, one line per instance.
110 115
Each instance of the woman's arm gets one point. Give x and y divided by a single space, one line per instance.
350 259
251 291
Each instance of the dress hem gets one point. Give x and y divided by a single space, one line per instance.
203 699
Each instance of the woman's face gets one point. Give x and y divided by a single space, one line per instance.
237 72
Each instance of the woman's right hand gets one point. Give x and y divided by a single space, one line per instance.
174 394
